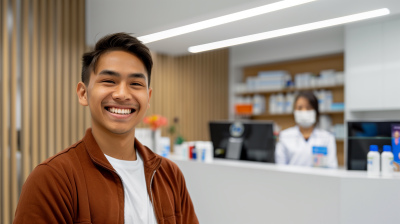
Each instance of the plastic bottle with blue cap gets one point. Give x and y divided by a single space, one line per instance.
387 161
373 161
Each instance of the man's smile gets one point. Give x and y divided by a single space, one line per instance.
120 112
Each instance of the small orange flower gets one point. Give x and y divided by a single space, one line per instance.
155 121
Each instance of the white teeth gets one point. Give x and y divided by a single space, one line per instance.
119 111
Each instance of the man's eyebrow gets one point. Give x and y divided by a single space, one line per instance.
137 75
109 72
113 73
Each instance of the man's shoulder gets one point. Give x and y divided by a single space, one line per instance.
59 165
167 163
65 156
169 166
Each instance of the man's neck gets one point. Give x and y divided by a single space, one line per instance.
119 146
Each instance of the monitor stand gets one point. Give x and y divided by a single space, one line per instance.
234 148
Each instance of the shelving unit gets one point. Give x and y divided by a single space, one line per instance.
266 115
292 89
313 65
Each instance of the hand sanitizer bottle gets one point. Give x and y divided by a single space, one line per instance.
374 159
387 161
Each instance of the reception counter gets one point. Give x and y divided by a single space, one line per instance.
239 192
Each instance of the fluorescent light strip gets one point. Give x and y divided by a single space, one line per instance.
289 30
222 20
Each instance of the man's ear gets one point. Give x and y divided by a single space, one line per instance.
148 102
81 90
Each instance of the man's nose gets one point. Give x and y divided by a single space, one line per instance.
121 93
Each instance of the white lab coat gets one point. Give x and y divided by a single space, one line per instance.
293 149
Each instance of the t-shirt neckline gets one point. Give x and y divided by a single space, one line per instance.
126 164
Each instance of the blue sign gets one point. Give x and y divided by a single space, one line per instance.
320 150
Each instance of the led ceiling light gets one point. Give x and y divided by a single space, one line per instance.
289 30
222 20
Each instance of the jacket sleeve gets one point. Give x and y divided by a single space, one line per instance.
45 198
332 158
280 153
188 213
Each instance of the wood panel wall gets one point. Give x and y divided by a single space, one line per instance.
41 49
40 56
192 88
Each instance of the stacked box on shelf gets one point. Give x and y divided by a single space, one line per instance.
326 78
268 80
250 105
339 131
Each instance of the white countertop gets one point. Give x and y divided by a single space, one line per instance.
237 192
342 173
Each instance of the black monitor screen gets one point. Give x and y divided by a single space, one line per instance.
363 134
257 142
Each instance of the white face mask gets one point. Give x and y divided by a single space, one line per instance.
305 118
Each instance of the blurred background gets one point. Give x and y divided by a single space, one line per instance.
353 68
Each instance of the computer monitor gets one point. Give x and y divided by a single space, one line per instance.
362 134
243 140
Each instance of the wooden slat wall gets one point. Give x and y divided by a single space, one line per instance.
13 112
5 168
193 88
43 47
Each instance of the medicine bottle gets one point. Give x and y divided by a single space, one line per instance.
387 161
373 161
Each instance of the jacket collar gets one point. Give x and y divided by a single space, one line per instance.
151 160
313 133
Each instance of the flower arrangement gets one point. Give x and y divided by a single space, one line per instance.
155 121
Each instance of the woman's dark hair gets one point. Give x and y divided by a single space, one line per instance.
113 42
312 99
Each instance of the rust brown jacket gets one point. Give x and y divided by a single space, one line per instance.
79 185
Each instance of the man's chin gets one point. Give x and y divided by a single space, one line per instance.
120 131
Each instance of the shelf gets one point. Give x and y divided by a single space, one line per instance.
286 90
370 138
291 114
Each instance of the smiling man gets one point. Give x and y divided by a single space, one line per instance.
109 176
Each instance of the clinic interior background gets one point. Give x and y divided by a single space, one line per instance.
42 42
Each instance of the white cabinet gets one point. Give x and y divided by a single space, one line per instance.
391 64
363 66
373 66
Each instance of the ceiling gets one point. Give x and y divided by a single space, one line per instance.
142 17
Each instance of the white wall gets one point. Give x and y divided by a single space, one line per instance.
373 69
308 44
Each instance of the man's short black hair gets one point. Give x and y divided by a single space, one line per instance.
113 42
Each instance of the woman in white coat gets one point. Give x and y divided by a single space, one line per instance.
305 144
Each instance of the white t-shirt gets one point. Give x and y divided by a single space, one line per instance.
138 206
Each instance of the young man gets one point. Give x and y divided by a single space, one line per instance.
109 176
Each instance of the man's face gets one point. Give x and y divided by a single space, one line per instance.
118 95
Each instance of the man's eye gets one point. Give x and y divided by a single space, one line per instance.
136 84
109 81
